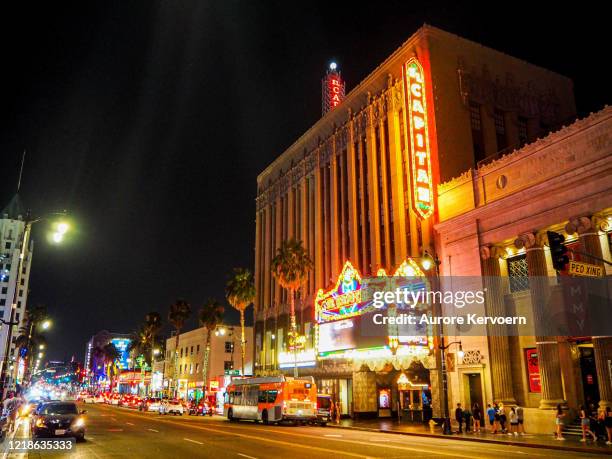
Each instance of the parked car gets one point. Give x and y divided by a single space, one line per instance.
58 419
88 398
114 399
201 408
171 407
134 402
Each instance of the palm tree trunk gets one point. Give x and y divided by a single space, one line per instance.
205 363
294 332
242 340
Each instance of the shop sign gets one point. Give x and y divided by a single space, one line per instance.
533 370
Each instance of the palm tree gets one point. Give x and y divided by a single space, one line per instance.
177 316
29 338
111 355
210 315
290 267
240 293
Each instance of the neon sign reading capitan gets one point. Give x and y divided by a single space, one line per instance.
422 183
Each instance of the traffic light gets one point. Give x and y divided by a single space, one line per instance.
558 251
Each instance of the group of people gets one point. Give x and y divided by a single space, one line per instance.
10 409
593 423
499 419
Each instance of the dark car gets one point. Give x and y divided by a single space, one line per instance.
324 404
58 419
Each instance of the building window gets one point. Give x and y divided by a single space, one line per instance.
2 301
228 365
4 290
229 347
197 367
7 245
500 129
518 274
191 368
191 353
17 317
477 135
198 349
181 352
20 292
522 130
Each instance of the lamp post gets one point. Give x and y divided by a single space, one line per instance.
60 230
446 428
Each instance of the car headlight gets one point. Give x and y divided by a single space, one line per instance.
80 422
40 422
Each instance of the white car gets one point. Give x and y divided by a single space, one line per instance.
154 405
171 407
89 398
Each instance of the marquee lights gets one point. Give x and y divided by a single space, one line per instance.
422 181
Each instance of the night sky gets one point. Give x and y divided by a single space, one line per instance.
149 121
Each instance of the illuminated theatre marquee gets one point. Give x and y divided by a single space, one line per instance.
422 183
343 313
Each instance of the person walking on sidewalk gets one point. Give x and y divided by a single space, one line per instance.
513 421
608 424
559 423
521 419
491 416
585 424
502 417
459 417
477 414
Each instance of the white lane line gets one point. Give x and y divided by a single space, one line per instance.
193 441
153 430
332 435
248 457
379 439
130 424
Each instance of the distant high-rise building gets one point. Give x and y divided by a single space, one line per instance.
332 89
13 284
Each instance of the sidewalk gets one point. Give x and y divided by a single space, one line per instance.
527 440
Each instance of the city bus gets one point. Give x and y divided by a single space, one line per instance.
272 399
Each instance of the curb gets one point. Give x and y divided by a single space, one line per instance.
484 440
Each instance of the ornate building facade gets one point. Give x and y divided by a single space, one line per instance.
360 186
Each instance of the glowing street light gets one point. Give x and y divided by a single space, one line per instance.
156 351
41 347
46 325
333 66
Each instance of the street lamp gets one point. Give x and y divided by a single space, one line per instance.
446 429
46 324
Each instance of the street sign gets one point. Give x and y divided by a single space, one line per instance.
577 268
232 372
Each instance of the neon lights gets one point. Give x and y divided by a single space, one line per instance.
422 180
333 88
343 300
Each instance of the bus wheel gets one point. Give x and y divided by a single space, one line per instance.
264 417
230 415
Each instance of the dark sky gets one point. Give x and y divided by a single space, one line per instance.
150 120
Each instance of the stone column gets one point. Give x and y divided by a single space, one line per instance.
587 229
499 343
547 346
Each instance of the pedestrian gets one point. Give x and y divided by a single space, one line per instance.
459 417
608 424
559 423
502 417
491 416
513 421
585 424
9 409
477 414
467 417
519 415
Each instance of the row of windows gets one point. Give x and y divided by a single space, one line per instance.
185 351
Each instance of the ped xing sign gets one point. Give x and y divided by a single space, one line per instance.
577 268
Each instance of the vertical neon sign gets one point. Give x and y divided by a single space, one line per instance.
422 183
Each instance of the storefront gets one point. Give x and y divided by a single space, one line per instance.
360 365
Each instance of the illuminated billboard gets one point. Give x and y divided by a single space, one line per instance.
122 345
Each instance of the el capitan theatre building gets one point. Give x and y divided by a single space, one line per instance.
396 171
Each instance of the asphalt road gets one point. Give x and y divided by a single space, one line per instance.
114 432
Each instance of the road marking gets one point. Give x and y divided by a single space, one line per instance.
193 441
130 424
332 435
248 457
114 430
153 430
379 439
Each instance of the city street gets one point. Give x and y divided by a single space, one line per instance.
118 432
